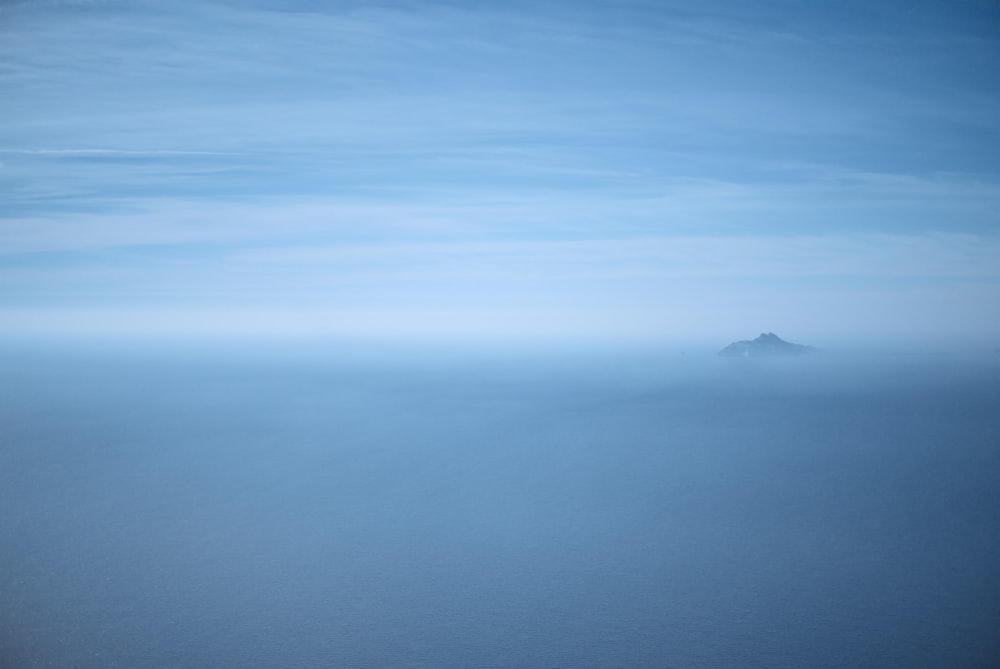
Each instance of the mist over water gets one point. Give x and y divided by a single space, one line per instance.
339 505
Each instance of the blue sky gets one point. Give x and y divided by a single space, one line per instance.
625 168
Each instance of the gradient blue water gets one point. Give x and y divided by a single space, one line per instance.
206 507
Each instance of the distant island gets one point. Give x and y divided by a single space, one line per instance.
766 345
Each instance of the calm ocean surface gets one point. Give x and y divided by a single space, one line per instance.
205 506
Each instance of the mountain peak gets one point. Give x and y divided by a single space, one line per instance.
767 344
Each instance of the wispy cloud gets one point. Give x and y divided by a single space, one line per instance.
937 256
553 157
114 152
646 274
363 82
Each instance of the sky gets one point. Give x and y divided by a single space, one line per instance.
589 168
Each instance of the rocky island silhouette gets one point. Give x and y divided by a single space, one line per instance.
767 344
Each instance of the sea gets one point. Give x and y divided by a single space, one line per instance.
288 504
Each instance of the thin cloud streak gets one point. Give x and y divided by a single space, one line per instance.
824 202
938 256
667 287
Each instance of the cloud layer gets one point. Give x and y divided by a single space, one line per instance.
634 160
